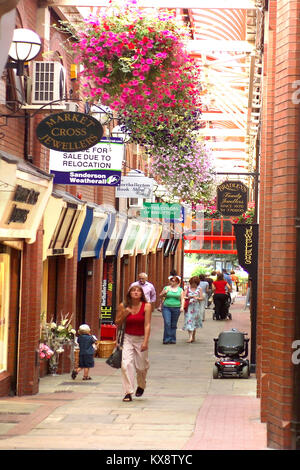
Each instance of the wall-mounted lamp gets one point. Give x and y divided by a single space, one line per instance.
119 132
103 114
25 46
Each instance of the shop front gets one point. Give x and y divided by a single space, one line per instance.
98 226
24 194
110 295
63 220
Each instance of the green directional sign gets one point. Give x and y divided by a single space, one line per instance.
161 210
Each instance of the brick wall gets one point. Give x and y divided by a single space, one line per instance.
280 142
31 274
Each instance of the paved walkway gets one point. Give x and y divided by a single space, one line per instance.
183 408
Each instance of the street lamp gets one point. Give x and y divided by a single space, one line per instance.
25 46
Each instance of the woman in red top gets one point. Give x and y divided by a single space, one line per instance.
220 296
137 314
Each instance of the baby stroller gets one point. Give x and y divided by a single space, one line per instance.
232 349
226 309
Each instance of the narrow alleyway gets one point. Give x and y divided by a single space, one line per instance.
183 407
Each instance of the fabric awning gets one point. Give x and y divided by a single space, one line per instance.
131 237
155 237
145 238
63 220
98 221
113 241
24 193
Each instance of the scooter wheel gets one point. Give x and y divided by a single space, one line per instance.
245 372
215 372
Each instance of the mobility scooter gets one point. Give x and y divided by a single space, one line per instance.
231 347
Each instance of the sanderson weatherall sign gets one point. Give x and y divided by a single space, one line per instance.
69 131
100 165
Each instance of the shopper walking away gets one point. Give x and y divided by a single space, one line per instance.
148 288
173 305
192 314
209 294
136 311
220 296
86 343
204 286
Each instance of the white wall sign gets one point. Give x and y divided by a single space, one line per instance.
98 165
135 187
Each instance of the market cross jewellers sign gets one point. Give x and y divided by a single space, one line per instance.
69 131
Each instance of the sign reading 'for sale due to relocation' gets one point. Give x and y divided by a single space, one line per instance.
99 165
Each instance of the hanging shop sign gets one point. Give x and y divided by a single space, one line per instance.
69 131
247 247
100 165
135 187
232 198
108 289
161 210
25 191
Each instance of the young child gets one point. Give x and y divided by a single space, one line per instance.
86 352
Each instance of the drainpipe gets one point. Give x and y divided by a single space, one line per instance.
295 423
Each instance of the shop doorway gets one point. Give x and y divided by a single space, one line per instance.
10 263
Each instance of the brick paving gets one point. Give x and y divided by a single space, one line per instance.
183 407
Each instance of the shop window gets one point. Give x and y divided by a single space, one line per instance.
4 306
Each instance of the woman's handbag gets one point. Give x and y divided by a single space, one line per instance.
115 359
186 304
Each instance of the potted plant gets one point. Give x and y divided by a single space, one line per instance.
57 335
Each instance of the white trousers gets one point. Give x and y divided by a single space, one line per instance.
134 362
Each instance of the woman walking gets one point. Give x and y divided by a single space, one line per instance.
192 315
220 296
173 304
137 314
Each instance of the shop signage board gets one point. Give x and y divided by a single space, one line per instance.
232 198
135 187
69 131
161 210
101 165
108 287
247 247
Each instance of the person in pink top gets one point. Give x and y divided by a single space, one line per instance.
136 311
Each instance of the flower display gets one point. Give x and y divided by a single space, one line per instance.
247 217
136 63
44 351
55 335
187 175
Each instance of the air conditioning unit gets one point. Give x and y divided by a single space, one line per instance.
71 106
48 83
136 202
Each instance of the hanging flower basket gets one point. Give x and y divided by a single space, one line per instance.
136 63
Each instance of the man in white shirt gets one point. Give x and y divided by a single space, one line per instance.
148 288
